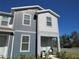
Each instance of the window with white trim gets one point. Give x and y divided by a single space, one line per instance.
5 21
26 19
49 21
25 43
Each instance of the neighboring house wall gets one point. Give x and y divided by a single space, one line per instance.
5 21
21 29
4 28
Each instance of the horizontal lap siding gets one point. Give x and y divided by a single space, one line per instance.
18 18
17 42
42 23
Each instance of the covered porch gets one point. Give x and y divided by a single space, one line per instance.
5 37
48 42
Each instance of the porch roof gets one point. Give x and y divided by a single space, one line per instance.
5 13
6 31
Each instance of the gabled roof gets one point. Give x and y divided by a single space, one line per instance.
40 9
27 7
48 11
5 13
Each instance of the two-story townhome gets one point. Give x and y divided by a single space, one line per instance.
27 30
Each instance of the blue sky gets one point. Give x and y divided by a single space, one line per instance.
67 9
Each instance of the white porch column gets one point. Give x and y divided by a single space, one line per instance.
39 44
58 44
7 47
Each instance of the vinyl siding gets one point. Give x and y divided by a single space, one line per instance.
18 18
17 42
42 23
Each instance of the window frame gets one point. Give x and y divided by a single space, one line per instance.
48 21
29 19
2 19
22 43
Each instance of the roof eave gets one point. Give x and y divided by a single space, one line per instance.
48 10
5 13
27 7
53 13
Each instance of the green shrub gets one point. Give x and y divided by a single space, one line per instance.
61 54
66 55
27 57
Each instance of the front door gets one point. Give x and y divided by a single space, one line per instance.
3 45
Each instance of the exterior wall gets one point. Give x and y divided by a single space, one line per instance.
18 18
44 30
48 34
42 26
23 29
9 19
17 43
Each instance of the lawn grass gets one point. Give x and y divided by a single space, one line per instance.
72 51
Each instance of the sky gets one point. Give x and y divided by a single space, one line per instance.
67 9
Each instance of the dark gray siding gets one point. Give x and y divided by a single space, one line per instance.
18 18
17 42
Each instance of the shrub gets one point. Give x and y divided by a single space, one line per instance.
27 57
61 54
66 55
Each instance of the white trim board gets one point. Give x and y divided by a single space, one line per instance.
12 48
25 31
8 43
22 7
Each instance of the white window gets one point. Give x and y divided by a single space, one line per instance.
49 21
4 21
25 43
26 19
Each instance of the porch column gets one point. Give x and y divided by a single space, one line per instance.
39 44
58 44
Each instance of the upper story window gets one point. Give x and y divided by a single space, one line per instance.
49 21
4 21
27 19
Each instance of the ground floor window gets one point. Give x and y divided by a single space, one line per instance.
3 40
25 43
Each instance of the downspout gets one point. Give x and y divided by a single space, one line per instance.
36 41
